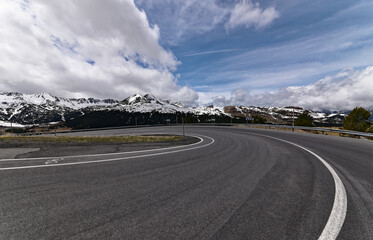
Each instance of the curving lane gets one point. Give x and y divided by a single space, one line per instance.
241 185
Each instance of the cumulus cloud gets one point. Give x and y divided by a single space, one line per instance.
85 48
250 14
220 101
344 91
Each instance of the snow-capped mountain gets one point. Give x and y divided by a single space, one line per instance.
284 115
43 107
18 108
149 103
10 99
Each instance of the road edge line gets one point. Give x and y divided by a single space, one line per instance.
339 210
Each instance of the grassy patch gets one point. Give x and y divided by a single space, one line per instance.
88 139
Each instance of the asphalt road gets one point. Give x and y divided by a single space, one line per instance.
235 183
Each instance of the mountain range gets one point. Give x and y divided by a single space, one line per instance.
30 109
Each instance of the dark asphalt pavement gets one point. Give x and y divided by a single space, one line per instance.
239 185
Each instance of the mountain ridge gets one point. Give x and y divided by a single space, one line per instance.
39 108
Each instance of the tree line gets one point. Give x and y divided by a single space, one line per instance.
357 120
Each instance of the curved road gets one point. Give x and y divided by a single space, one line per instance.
236 183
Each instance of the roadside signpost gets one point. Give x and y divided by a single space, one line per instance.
249 119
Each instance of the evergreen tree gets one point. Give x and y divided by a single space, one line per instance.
259 119
357 120
304 119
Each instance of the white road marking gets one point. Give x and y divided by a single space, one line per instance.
365 139
105 154
111 160
339 209
53 161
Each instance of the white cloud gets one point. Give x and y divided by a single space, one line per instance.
211 52
251 14
295 62
220 101
185 18
343 91
84 48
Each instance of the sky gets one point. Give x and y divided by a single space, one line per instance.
315 54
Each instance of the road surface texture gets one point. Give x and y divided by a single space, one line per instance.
235 183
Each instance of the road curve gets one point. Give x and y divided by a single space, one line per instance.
238 183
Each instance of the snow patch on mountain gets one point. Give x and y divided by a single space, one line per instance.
149 103
210 110
11 99
8 124
43 108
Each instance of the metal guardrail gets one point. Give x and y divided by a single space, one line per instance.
354 133
320 129
88 129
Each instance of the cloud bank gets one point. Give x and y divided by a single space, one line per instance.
344 91
85 48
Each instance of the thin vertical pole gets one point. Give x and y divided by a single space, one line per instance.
293 122
182 121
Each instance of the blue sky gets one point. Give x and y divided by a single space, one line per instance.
315 54
306 42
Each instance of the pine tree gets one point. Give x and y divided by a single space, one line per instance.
304 119
357 120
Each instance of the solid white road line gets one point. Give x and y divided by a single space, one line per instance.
109 160
106 154
339 209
